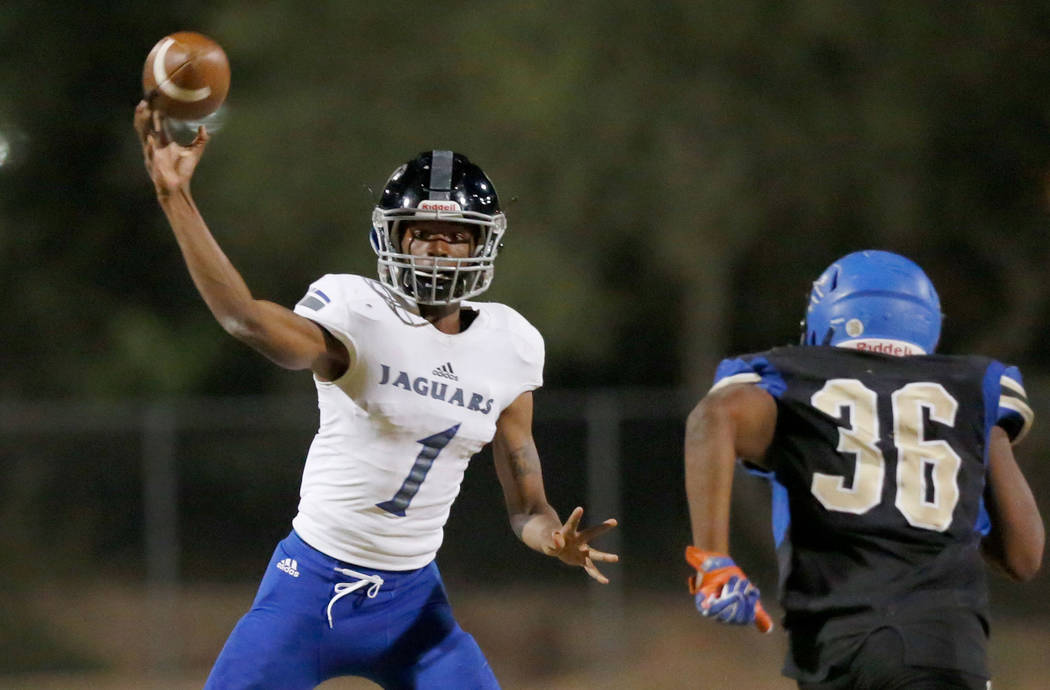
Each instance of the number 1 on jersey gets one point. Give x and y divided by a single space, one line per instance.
432 446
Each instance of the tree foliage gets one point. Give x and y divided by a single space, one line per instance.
675 174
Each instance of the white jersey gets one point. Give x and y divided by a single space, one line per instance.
398 429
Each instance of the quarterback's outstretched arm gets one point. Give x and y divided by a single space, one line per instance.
278 333
1015 542
533 519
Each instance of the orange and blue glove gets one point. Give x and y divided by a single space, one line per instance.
723 592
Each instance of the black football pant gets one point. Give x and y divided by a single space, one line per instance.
879 665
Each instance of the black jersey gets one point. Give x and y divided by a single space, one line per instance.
878 468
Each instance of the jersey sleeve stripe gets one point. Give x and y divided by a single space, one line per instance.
746 377
1021 408
311 303
1013 386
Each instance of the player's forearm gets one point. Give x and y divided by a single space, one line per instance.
217 281
536 530
518 467
276 332
1017 538
709 461
532 518
1015 544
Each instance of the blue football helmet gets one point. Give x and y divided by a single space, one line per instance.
873 294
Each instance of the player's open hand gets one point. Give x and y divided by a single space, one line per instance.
169 164
573 546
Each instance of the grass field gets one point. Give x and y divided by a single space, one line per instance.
534 639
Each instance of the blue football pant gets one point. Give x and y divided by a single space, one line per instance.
404 637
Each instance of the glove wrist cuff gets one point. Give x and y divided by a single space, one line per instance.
705 561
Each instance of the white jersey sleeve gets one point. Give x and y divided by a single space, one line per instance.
331 301
524 345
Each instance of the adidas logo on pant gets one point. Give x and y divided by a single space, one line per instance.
290 566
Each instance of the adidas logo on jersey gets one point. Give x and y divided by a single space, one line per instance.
445 371
290 566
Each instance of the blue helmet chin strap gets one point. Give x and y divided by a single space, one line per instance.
873 295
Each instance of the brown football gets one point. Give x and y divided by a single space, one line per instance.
187 75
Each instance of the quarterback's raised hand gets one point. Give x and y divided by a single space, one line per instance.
573 546
722 591
169 164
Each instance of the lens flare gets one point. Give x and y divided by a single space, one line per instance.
13 145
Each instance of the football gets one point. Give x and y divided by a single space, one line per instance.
186 75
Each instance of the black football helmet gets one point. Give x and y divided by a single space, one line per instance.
442 186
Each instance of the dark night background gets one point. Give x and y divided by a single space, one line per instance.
675 175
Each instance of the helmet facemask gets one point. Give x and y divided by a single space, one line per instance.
436 280
443 186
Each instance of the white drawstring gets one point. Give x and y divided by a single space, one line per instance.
344 588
